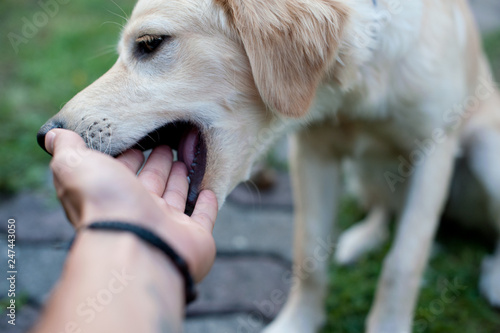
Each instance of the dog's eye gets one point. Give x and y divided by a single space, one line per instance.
149 43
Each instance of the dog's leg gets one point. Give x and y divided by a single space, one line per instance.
484 155
489 283
316 187
364 236
398 284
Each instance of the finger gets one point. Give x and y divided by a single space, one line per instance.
132 159
155 173
57 140
205 210
177 187
69 152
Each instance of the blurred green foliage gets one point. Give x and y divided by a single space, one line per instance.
70 51
492 47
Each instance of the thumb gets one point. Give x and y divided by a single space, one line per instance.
58 140
68 150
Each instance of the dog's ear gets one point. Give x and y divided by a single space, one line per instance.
290 44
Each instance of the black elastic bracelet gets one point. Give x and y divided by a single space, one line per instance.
151 238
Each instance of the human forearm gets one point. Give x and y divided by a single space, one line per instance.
114 282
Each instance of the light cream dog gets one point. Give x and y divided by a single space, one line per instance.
399 87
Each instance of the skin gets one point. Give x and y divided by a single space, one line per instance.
95 187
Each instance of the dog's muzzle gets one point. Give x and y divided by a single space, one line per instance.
49 125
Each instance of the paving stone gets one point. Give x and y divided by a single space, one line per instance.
487 13
243 284
240 323
26 317
277 197
39 218
280 150
254 229
38 269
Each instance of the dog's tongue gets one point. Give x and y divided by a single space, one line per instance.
187 147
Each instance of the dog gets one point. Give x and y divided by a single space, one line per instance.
369 81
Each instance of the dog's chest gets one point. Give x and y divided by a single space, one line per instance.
361 138
386 123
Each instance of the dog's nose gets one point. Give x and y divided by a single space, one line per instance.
51 124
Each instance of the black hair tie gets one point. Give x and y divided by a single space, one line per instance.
151 238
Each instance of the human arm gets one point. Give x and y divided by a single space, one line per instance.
94 187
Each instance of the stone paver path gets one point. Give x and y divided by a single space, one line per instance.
253 241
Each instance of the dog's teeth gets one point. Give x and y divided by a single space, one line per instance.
189 180
193 164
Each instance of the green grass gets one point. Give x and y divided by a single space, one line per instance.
492 47
73 49
21 300
440 309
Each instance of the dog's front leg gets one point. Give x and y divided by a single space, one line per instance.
315 173
397 291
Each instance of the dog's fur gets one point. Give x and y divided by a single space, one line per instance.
352 79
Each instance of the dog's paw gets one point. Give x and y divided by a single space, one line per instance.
283 327
489 284
294 325
298 317
358 240
389 328
388 323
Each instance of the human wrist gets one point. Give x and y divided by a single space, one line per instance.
143 215
152 239
124 251
105 266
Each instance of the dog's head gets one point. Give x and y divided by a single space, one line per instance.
216 80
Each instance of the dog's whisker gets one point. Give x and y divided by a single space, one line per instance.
116 14
157 136
90 142
120 8
112 46
108 147
102 54
108 47
140 146
252 187
113 22
100 141
80 123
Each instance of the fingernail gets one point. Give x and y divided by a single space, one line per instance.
49 141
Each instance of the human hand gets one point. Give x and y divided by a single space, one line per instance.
96 187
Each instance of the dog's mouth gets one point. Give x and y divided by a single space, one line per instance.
187 139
